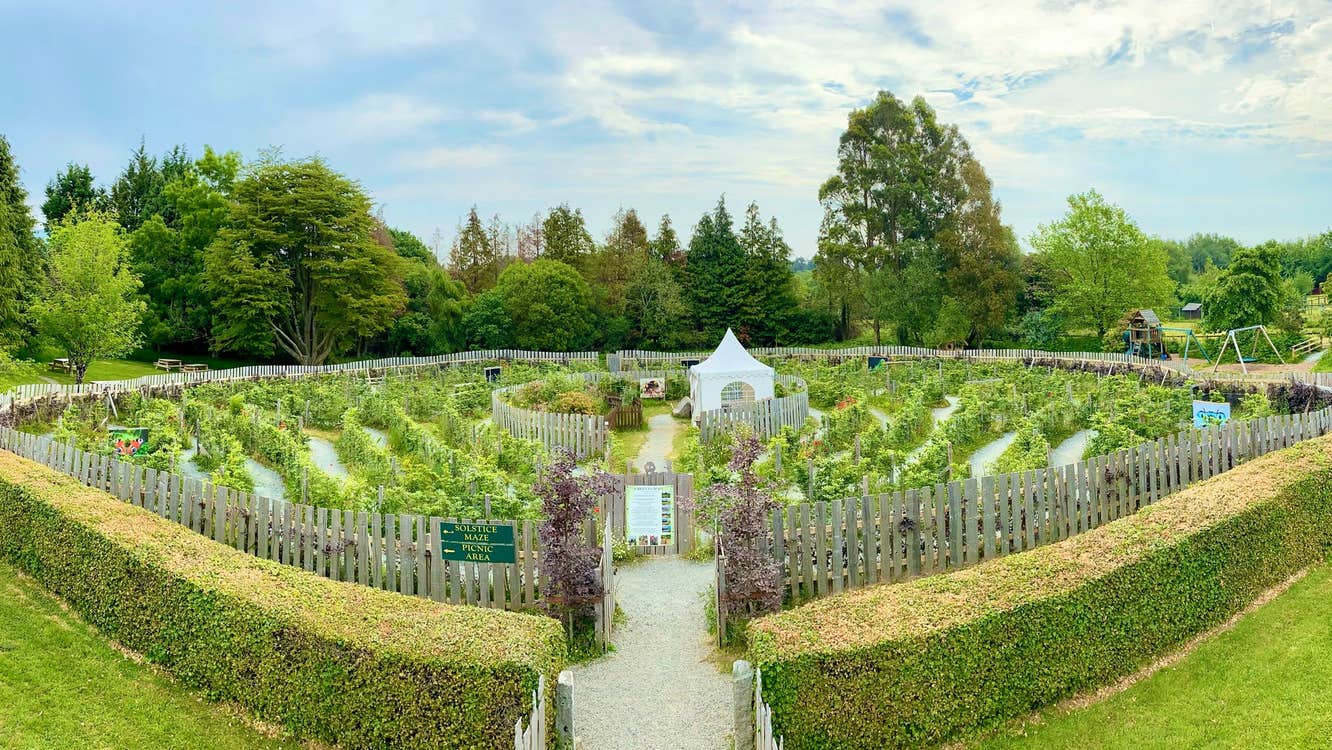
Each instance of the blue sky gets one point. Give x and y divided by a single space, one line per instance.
1194 115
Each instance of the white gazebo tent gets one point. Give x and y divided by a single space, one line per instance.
729 377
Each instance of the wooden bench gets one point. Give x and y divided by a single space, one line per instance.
168 364
194 368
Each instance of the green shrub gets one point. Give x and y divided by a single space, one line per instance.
333 662
931 660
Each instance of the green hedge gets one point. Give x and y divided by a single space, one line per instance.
939 658
333 662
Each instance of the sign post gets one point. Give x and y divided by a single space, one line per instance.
477 542
649 514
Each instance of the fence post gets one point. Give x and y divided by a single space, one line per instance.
564 711
742 692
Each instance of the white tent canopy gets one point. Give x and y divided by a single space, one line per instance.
730 376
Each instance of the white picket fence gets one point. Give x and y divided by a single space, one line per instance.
534 736
765 417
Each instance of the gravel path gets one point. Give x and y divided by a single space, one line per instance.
660 439
659 689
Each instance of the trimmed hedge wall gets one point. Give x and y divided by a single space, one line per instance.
939 658
331 661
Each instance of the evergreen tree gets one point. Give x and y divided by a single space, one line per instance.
665 246
22 263
715 275
982 259
566 237
625 251
297 265
769 296
71 190
474 258
140 191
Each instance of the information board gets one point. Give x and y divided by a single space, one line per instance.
1209 413
477 542
649 514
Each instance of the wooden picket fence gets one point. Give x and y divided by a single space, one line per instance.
827 547
394 552
584 435
534 737
32 391
763 734
765 417
614 513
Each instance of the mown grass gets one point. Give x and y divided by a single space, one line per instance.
626 444
63 686
1262 684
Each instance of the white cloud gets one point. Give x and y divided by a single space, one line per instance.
378 117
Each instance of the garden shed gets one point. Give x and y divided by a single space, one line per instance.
730 377
1191 311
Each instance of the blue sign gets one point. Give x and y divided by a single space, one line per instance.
1208 413
874 362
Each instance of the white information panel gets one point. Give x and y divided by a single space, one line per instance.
649 514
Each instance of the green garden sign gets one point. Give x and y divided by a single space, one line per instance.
477 542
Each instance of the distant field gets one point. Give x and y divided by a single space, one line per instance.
1261 685
63 686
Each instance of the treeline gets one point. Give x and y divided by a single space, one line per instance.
286 259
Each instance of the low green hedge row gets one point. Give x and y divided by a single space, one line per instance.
940 658
333 662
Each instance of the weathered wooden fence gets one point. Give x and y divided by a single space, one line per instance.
395 552
584 435
765 417
753 717
614 511
389 364
827 547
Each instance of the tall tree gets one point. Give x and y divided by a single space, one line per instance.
548 304
566 237
715 275
898 185
665 245
296 265
1249 291
167 249
769 284
655 306
90 308
531 240
625 250
474 258
982 259
1100 264
22 263
140 191
71 190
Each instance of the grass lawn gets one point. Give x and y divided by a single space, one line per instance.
625 444
1262 684
1324 363
63 686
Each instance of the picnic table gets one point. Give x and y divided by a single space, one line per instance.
194 368
168 364
61 365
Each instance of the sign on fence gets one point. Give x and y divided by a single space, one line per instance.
650 514
477 542
1207 413
652 387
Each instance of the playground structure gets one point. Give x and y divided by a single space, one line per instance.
1146 336
1231 340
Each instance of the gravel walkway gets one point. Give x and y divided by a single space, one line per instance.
660 440
659 689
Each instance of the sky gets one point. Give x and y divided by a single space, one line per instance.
1194 115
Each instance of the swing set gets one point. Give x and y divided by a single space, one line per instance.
1231 340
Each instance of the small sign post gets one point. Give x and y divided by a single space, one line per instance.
477 542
